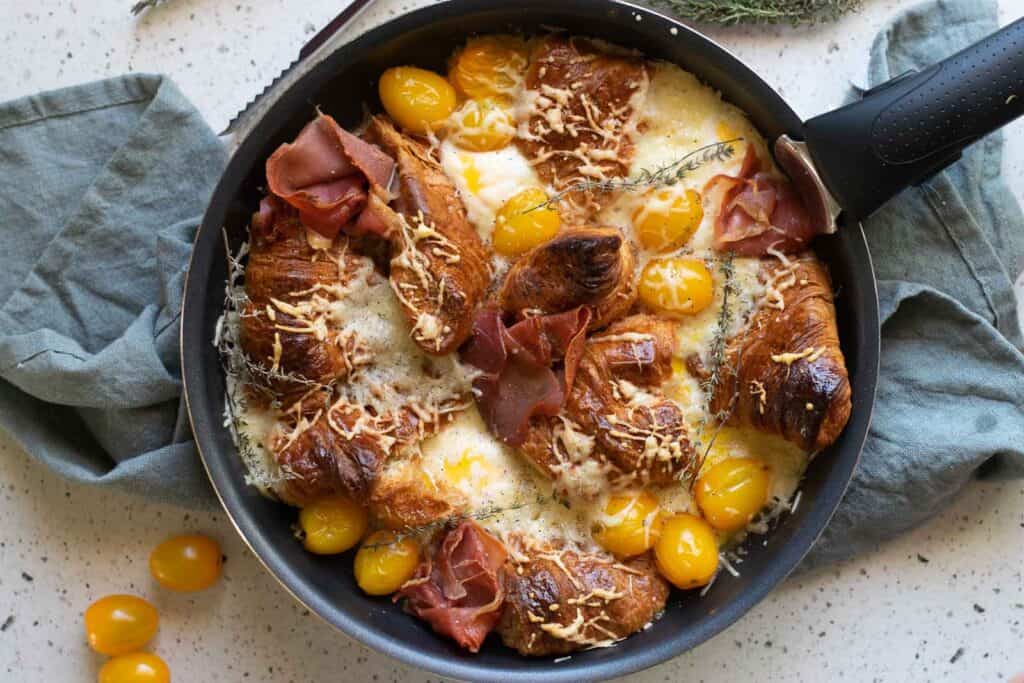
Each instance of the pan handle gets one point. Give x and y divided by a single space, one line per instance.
913 126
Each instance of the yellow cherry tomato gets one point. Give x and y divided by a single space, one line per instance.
138 667
332 525
686 552
668 219
119 624
418 100
186 563
521 226
482 126
490 66
629 525
676 285
732 491
385 562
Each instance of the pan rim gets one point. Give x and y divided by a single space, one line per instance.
198 289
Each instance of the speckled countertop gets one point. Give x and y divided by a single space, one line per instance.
945 602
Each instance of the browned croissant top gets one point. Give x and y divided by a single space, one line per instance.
439 266
579 267
583 110
551 612
615 419
289 285
791 378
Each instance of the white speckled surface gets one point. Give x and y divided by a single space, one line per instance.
901 613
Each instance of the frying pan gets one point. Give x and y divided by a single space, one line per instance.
852 159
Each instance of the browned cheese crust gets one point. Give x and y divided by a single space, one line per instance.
786 373
439 266
288 285
582 111
580 266
561 601
638 435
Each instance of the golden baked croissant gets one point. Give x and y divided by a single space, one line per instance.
615 421
786 373
439 266
579 267
559 601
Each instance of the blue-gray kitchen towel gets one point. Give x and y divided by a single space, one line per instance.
103 186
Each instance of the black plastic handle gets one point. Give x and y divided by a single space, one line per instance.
909 128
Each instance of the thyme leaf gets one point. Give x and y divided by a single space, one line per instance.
143 5
668 174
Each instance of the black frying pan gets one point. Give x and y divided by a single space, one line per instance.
856 158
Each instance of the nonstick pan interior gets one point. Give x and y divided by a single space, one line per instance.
340 86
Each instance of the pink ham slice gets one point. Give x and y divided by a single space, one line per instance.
326 174
458 590
519 380
758 211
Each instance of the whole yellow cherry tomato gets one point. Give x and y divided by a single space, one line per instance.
732 491
523 222
138 667
186 563
668 219
119 624
677 285
385 562
489 66
418 100
686 552
629 524
332 525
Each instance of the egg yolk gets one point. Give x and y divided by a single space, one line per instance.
482 126
138 667
668 219
385 562
629 525
186 563
686 552
732 491
418 100
676 285
119 624
460 470
490 66
332 525
523 222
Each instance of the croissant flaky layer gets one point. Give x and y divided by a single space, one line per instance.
786 373
560 601
439 267
615 420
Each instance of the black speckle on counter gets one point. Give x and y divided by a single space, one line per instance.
979 609
956 655
922 559
7 623
27 577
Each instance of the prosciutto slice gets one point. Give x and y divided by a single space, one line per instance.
518 379
327 174
758 211
459 590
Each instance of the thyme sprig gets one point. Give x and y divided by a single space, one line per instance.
143 5
479 514
795 12
662 176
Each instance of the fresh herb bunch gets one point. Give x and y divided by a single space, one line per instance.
759 11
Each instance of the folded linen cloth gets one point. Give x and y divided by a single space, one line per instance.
105 183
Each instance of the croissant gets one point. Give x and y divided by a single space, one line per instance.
583 110
615 419
580 267
786 373
439 266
